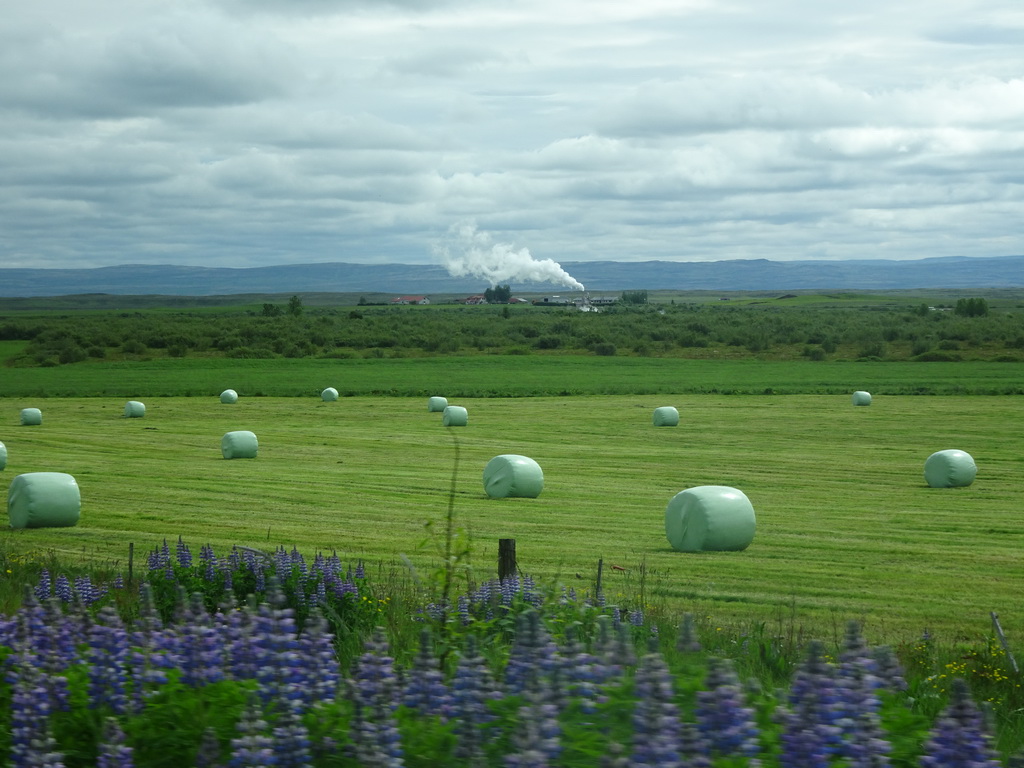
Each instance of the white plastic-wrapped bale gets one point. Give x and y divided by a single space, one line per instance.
44 500
950 469
329 395
437 404
710 518
229 396
240 444
512 476
666 416
454 416
133 409
860 397
31 417
3 455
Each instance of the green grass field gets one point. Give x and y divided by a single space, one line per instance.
847 528
506 376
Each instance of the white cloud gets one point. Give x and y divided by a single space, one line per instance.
221 131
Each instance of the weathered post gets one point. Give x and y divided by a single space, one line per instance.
506 558
131 561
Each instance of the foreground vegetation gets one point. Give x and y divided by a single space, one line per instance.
502 675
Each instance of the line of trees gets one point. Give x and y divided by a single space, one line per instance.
689 331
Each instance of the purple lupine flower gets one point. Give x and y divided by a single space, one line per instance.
636 618
208 754
810 735
373 686
582 671
30 711
425 691
291 741
693 748
958 738
62 589
44 588
238 630
118 581
184 554
114 752
253 747
209 562
52 638
616 647
472 687
147 660
107 657
537 740
687 641
88 592
202 652
722 717
656 725
374 738
863 741
533 653
316 660
276 643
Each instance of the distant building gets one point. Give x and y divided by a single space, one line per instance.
478 299
410 300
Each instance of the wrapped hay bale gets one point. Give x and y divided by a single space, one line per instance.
229 396
3 455
31 417
710 518
666 416
950 469
454 416
329 395
513 476
437 404
44 500
241 444
133 409
861 398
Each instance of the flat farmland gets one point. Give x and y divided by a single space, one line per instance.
846 526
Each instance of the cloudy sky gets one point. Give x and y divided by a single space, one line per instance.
257 132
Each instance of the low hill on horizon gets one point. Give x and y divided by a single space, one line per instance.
425 279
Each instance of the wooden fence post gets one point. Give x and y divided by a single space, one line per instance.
131 561
507 558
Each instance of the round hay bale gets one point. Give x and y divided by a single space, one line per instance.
437 404
31 417
241 444
861 398
133 409
710 518
44 500
950 469
666 416
229 396
329 395
513 476
454 416
3 455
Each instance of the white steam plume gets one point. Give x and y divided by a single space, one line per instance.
471 252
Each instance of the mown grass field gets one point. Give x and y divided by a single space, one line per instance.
847 528
505 376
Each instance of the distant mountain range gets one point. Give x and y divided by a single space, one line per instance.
338 277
